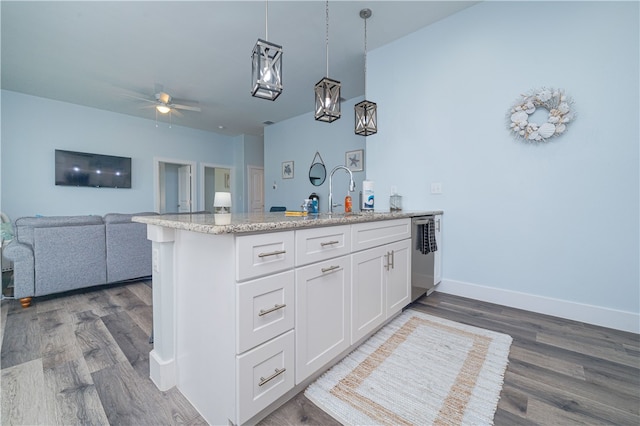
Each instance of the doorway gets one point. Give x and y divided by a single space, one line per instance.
215 178
174 186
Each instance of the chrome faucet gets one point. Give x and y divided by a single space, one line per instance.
352 186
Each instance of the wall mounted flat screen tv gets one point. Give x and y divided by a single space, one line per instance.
95 170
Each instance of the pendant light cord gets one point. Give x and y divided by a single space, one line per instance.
266 21
365 58
327 36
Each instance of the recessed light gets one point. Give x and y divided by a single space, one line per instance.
221 127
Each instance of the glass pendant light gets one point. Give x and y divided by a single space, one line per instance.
327 90
266 66
366 112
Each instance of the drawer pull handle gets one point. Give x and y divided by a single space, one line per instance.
272 253
268 311
328 243
264 381
329 269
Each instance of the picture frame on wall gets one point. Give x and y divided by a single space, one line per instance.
354 160
287 170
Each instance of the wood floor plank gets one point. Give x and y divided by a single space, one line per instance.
560 366
122 398
76 399
131 340
553 404
24 400
21 342
58 342
609 351
98 346
143 291
299 411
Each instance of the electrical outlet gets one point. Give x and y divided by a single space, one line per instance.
155 255
436 188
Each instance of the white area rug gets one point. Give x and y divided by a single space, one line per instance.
417 370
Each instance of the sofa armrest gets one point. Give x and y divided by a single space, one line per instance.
23 268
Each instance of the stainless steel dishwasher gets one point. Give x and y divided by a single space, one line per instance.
422 265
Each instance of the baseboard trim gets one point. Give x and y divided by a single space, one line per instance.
590 314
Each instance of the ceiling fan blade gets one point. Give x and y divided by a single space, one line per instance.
139 97
176 112
186 107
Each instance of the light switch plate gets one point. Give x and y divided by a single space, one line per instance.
436 188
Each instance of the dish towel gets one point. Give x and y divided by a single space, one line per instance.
426 238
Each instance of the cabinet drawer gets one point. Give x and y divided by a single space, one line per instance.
265 309
263 254
372 234
314 245
264 374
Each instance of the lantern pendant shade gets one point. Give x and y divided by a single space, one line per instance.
266 70
327 94
366 113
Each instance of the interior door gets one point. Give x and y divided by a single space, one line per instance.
256 189
184 189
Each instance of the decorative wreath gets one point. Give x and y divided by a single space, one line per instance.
553 100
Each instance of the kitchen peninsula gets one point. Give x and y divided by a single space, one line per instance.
248 309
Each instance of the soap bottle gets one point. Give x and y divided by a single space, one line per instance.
347 204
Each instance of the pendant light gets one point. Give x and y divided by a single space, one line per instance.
366 112
266 66
327 90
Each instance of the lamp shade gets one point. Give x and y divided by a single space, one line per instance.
222 202
266 70
327 95
366 118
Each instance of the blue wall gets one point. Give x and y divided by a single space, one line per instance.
550 227
298 140
32 128
558 219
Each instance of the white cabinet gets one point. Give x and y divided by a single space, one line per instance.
398 275
381 276
316 244
263 254
367 291
264 375
323 303
265 309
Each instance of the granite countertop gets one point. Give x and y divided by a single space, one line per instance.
237 223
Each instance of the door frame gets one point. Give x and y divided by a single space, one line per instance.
201 183
158 162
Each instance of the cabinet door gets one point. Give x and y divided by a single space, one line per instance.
437 259
323 300
398 277
367 291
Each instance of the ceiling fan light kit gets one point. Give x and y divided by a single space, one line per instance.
327 90
366 112
266 66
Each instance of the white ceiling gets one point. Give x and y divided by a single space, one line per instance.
94 53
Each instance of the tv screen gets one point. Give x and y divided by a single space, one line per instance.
96 170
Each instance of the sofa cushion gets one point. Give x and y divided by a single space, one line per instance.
24 226
128 251
69 257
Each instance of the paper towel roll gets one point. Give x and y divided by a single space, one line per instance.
367 195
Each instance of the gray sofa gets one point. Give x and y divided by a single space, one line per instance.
62 253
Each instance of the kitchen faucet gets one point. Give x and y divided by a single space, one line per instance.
352 185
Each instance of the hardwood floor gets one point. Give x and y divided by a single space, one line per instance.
83 358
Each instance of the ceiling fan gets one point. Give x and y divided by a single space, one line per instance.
164 103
